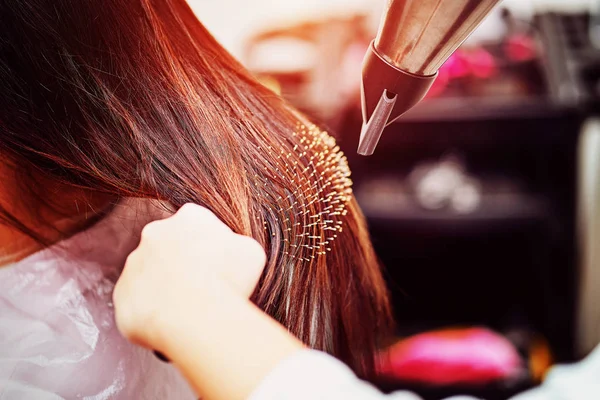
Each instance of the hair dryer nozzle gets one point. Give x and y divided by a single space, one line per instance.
387 93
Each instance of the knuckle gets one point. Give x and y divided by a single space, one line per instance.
191 209
116 296
123 322
132 260
129 315
149 231
187 207
191 213
252 249
121 311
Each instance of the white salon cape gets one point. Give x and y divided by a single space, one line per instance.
58 338
314 375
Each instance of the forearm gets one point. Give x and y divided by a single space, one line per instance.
226 346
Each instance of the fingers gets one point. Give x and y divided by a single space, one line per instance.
199 215
177 258
253 251
191 219
248 261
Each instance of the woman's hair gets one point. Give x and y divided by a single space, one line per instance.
134 98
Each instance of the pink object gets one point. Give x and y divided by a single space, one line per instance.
457 65
58 338
520 48
482 63
478 63
457 356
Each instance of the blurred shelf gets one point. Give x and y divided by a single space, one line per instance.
495 210
572 62
488 108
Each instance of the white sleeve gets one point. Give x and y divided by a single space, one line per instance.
580 381
310 374
314 375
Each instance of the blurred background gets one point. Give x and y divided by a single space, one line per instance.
482 201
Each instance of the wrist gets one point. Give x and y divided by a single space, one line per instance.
227 336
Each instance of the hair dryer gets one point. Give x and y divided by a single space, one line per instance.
415 38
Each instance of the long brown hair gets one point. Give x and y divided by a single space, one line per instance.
135 98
